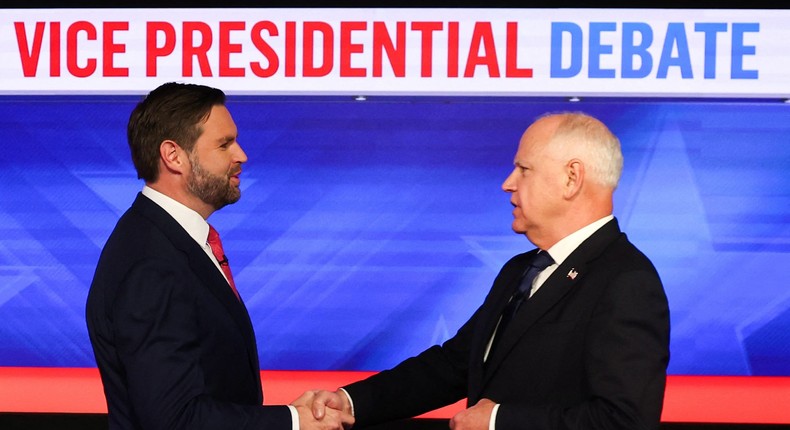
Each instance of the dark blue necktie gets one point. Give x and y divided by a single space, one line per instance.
541 261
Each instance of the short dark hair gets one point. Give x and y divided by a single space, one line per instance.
173 111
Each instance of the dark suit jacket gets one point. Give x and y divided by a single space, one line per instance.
588 351
175 348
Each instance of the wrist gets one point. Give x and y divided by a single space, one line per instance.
345 399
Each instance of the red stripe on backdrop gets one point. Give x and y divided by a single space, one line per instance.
719 399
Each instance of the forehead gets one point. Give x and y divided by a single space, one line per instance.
537 136
219 120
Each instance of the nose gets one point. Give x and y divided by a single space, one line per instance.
241 156
509 185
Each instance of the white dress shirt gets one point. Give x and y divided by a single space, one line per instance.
191 221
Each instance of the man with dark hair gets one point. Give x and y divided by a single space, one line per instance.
572 335
172 338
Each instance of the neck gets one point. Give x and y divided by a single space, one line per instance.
572 221
182 195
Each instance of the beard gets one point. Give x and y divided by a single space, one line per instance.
214 190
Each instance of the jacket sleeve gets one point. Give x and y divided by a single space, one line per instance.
436 377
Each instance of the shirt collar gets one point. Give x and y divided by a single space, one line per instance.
562 249
188 219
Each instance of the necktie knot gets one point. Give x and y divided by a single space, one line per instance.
539 262
216 248
542 260
216 245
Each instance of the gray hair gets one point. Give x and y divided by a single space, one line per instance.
581 136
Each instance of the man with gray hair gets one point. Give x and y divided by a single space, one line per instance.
572 335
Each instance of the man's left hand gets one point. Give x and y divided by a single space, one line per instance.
475 418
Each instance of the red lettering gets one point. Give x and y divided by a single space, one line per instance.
152 50
426 29
452 49
54 49
72 49
396 52
512 70
265 49
111 48
482 33
200 51
290 49
310 29
226 48
29 55
347 48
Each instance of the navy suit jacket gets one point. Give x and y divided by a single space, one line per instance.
589 350
175 348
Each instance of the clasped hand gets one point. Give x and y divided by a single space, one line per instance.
328 405
323 410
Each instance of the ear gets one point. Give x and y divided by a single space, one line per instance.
173 158
574 178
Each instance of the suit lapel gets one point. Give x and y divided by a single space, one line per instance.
511 284
204 268
504 287
570 273
200 264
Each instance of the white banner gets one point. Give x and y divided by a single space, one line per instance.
504 52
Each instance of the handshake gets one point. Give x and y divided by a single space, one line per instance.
324 410
328 410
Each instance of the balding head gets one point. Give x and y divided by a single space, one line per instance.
566 169
578 135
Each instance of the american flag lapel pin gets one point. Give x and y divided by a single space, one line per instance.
573 273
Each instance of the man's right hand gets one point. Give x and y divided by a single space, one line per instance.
324 400
324 410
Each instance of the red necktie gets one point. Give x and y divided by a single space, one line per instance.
216 248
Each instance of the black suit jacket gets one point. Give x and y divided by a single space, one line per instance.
175 348
587 351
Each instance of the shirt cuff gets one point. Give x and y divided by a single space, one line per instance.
350 400
492 421
294 417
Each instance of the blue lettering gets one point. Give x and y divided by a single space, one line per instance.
638 45
711 30
739 50
575 66
676 36
597 49
631 50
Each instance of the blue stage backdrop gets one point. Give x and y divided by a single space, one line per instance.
370 230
